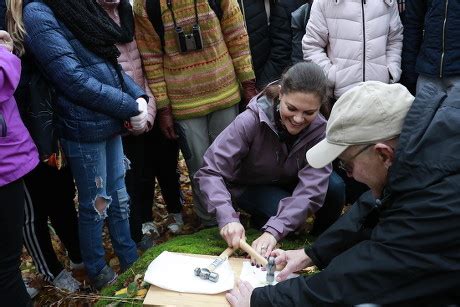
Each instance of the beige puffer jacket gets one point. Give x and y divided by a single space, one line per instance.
130 59
355 41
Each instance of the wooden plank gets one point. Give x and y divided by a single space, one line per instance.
161 297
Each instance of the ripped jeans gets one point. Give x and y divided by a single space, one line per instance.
99 173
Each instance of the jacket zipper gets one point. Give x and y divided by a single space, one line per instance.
443 40
3 128
364 41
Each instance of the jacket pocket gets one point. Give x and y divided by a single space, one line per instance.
3 128
394 73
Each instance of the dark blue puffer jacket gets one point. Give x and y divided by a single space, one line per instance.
435 53
270 45
90 103
2 14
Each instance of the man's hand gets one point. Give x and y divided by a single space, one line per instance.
240 296
264 244
295 260
6 41
232 233
165 120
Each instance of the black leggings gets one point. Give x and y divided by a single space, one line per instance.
49 194
151 155
12 289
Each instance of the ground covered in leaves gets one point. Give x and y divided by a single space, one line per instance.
205 241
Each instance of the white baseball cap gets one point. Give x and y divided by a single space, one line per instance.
370 112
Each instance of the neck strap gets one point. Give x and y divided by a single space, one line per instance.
169 3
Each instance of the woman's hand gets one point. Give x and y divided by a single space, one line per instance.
139 122
264 244
6 41
295 260
232 233
240 296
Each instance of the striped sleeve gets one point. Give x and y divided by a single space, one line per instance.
236 38
149 44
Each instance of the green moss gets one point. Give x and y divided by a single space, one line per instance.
207 242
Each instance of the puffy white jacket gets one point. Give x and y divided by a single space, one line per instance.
354 41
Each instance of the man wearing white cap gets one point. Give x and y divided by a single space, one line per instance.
399 244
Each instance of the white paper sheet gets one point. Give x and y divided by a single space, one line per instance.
176 272
256 276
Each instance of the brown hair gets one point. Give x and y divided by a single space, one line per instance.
303 77
15 25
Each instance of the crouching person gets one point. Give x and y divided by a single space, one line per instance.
399 245
258 162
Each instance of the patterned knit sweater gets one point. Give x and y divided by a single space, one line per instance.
195 83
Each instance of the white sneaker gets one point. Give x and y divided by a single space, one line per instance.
176 226
150 228
31 290
66 281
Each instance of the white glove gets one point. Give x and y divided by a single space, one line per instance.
139 122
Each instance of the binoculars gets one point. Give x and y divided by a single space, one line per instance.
189 41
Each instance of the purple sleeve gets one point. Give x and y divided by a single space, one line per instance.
10 72
221 161
307 198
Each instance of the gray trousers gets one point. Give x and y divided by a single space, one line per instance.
198 134
445 84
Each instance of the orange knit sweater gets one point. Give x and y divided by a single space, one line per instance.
198 82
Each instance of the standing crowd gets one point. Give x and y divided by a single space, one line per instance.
284 109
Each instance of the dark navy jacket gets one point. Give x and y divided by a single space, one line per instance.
2 14
90 103
270 45
299 19
435 53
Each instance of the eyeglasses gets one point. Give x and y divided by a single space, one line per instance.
346 165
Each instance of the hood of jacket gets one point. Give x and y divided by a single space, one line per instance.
264 109
429 143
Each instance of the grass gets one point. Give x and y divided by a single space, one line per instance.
207 241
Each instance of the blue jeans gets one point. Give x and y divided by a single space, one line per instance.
99 173
261 202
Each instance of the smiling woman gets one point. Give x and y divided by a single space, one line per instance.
258 163
298 110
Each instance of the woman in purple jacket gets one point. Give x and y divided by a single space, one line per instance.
18 156
258 163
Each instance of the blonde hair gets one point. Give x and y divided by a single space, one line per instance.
15 25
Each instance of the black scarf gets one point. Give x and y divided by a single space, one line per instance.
94 28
